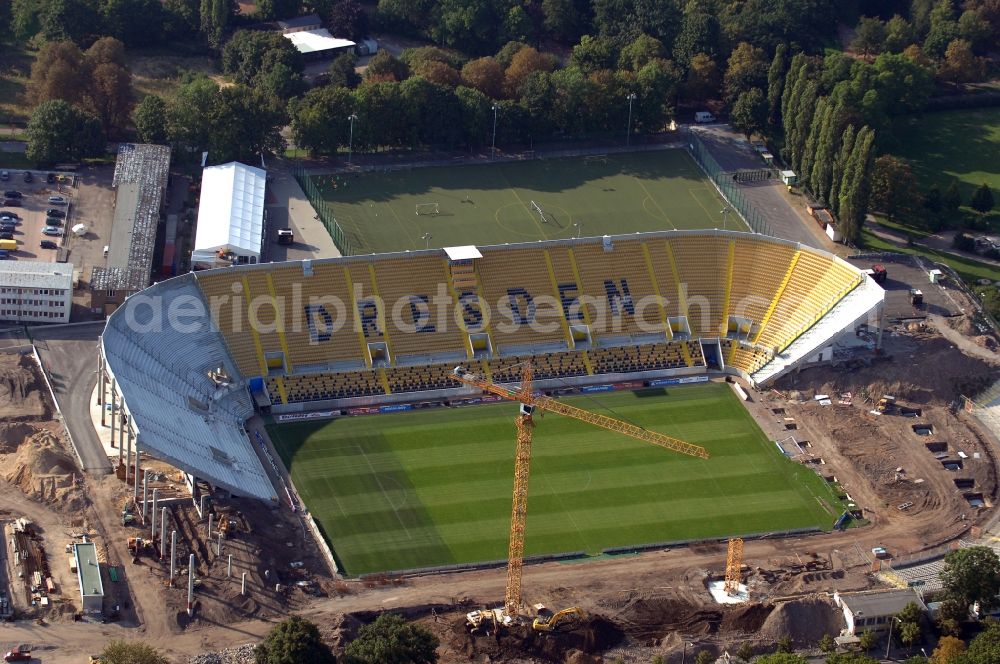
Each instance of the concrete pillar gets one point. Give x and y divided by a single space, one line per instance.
243 586
145 489
103 397
128 455
163 532
100 379
152 520
209 536
114 413
135 475
190 608
122 423
229 566
204 504
218 546
173 556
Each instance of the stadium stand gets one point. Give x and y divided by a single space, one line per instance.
370 330
180 414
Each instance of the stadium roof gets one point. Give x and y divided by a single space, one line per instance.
34 274
312 41
231 212
141 175
465 253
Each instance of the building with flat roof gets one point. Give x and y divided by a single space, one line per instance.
874 611
300 23
140 179
231 216
88 574
34 292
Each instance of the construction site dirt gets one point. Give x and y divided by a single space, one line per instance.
638 605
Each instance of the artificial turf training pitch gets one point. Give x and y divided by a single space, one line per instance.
492 203
433 487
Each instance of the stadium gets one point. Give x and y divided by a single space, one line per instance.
196 356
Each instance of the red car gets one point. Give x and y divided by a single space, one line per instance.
16 655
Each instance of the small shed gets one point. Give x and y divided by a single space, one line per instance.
300 23
88 574
789 177
874 611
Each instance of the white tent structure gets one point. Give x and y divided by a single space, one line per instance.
230 216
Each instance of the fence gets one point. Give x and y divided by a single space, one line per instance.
324 211
724 182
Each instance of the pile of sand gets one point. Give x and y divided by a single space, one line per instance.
41 467
805 621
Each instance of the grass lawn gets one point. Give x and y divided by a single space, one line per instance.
162 73
432 487
492 204
951 146
970 270
15 70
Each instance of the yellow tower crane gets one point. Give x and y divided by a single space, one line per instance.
522 460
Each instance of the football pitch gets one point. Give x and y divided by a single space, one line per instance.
432 487
522 201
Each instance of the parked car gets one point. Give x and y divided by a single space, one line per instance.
52 221
55 213
17 655
51 178
12 193
11 202
4 175
49 244
58 200
7 228
53 231
10 213
28 177
4 254
6 235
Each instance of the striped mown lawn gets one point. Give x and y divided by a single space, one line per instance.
432 487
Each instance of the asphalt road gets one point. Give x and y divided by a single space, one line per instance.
69 356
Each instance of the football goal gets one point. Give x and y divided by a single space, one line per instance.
428 208
541 213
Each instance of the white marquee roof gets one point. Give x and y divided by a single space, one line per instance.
231 212
310 41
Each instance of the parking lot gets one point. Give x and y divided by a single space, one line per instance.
30 211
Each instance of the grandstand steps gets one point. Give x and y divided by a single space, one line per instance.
842 316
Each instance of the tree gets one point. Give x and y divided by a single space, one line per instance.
58 73
704 657
702 78
109 95
341 71
776 83
131 652
74 20
348 19
320 119
641 51
747 68
894 188
827 644
150 119
782 658
58 131
910 633
952 199
485 75
385 67
269 10
973 574
391 640
898 34
745 651
565 19
785 644
982 202
749 114
517 24
244 123
867 640
985 648
948 649
188 121
943 28
292 641
525 62
134 22
933 206
854 186
593 53
869 36
250 53
699 34
215 16
850 658
960 63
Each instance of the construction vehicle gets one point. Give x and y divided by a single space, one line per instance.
127 515
137 546
916 298
886 404
565 620
484 621
529 401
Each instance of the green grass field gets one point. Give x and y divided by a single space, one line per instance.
953 146
491 204
428 488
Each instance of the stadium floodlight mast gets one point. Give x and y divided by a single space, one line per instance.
427 238
493 150
578 225
628 130
350 145
724 211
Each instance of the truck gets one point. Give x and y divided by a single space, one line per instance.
702 117
285 236
9 245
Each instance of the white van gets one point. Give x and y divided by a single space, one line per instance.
702 117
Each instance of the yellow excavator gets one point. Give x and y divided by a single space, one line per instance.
565 620
525 395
